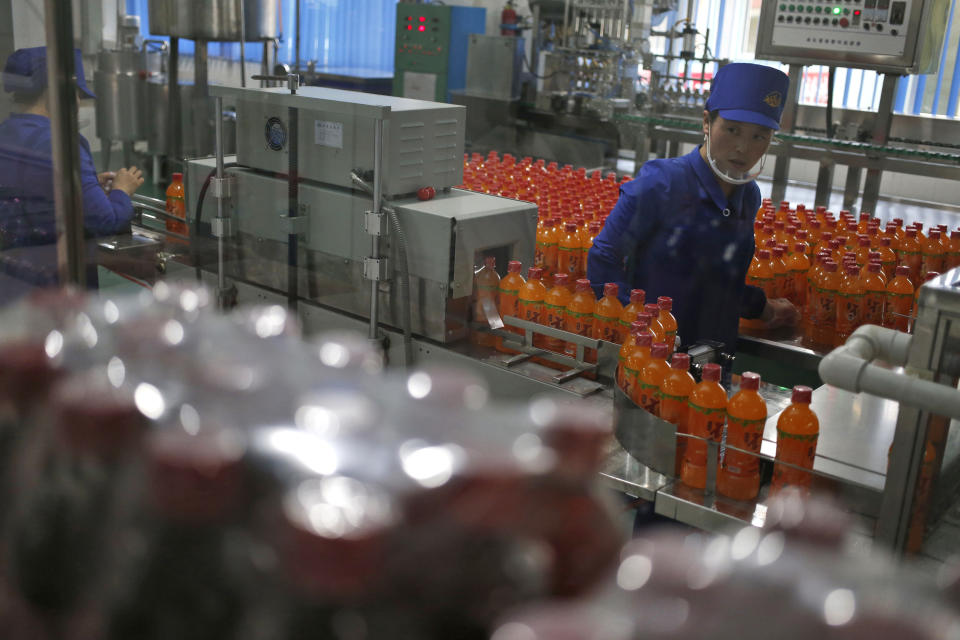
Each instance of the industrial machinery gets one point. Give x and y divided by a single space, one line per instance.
325 238
431 56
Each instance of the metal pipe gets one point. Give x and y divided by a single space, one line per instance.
293 197
173 116
65 150
221 276
375 242
296 45
243 44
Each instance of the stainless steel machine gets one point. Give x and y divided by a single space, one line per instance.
349 231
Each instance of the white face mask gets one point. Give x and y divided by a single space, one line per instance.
736 178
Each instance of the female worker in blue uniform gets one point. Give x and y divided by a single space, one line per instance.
27 221
684 226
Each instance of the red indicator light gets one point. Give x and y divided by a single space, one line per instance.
856 12
422 28
423 19
409 27
409 18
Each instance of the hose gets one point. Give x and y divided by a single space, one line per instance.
404 279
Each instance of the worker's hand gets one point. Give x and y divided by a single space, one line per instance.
106 180
779 312
128 180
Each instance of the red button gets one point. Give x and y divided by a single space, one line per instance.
844 23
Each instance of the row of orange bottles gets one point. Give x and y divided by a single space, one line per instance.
564 249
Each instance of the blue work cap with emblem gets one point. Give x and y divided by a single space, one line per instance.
748 92
26 71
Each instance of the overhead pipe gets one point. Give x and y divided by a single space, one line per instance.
849 367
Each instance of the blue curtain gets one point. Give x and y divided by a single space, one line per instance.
334 33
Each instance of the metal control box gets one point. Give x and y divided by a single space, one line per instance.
890 36
431 55
422 141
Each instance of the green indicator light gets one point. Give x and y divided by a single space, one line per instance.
819 9
836 11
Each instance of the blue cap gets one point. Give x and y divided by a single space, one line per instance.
26 71
748 92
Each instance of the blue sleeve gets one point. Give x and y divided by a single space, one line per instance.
103 213
625 230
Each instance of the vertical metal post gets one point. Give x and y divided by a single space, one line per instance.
851 188
296 21
293 197
65 147
881 132
174 132
243 44
375 241
218 128
787 123
824 181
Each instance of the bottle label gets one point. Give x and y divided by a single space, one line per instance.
649 397
607 329
747 435
872 308
530 311
554 315
582 322
715 419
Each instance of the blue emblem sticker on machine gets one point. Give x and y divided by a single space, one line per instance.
275 133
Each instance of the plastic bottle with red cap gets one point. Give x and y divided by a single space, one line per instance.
485 286
739 474
674 399
606 315
797 432
708 408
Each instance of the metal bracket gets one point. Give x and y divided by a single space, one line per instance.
220 227
296 225
374 223
375 269
221 188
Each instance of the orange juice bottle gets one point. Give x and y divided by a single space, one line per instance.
849 302
486 282
674 396
176 206
587 235
667 321
606 315
899 302
708 408
825 239
507 297
933 254
759 274
910 255
653 309
530 301
629 313
798 265
739 474
545 255
780 272
888 258
874 294
864 222
651 377
640 326
824 332
863 250
578 318
570 255
639 356
797 431
554 310
953 256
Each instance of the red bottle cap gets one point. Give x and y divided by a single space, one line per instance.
954 235
644 339
826 236
934 234
611 289
778 251
660 350
852 270
886 241
680 361
770 244
750 381
931 275
711 372
779 225
864 241
514 266
821 209
583 284
799 247
652 308
763 254
535 273
784 204
801 394
178 177
873 267
903 270
490 262
560 279
911 232
830 266
594 226
644 320
815 224
637 296
665 303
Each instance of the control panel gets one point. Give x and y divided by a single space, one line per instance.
431 49
894 36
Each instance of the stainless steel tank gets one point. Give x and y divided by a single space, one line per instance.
197 122
121 88
215 19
